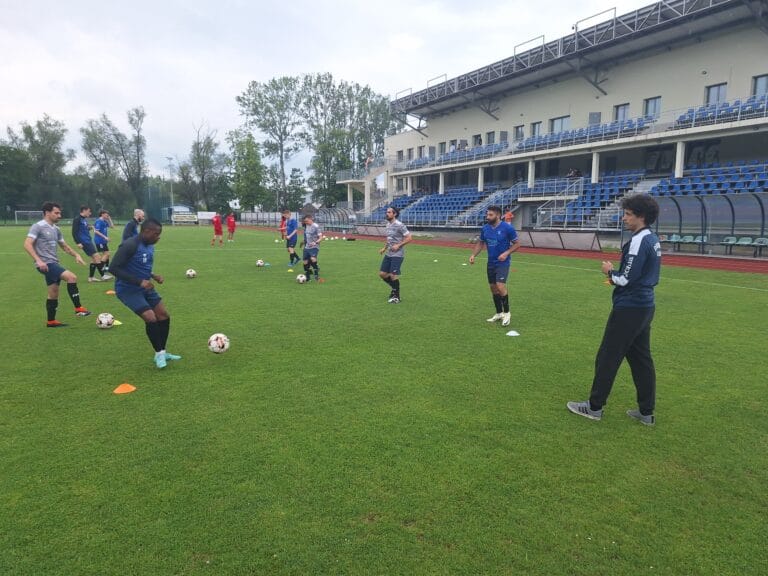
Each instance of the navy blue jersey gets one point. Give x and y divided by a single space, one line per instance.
131 229
498 240
638 272
132 263
291 226
81 231
102 226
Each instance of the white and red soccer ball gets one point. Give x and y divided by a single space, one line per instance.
218 343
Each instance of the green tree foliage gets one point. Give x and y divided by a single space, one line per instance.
210 169
297 189
44 144
113 156
17 173
246 170
272 108
186 190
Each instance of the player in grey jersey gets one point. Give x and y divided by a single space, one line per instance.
397 237
312 238
41 243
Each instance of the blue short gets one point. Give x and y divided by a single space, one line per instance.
392 264
102 247
89 248
498 273
291 242
310 253
138 299
53 276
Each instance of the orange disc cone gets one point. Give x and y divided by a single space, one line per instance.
124 388
110 292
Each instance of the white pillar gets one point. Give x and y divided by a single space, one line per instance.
531 173
408 189
350 196
480 179
595 167
367 194
679 159
441 186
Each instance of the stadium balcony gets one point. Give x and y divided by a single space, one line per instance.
755 106
440 209
733 178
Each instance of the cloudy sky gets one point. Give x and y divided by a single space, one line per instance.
185 61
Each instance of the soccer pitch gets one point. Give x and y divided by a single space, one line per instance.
344 435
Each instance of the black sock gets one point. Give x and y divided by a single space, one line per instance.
91 270
74 294
100 268
165 329
106 265
505 303
50 306
396 287
154 333
306 271
317 270
497 303
388 280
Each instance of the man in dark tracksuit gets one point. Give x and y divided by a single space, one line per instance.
628 331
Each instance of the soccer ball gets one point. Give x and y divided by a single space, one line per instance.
259 263
301 278
191 273
218 343
105 320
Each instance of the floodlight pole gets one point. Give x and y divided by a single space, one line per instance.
170 179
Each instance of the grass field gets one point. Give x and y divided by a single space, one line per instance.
344 435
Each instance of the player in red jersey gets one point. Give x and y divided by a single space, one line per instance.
217 231
231 225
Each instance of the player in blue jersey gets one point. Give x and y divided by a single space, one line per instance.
291 237
42 243
132 228
628 330
132 266
500 239
81 233
101 238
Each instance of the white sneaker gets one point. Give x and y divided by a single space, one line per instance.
496 317
92 279
107 276
506 318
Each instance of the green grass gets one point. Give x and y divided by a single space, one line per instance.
343 435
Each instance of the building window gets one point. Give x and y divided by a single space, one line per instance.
519 132
490 137
477 140
652 107
535 128
441 148
503 136
420 152
595 118
400 184
621 112
559 124
716 93
410 154
760 85
399 155
452 146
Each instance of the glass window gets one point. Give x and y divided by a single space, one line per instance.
399 155
535 128
490 137
441 148
621 112
503 136
760 85
477 140
452 147
595 118
652 107
519 132
560 124
420 152
716 93
410 153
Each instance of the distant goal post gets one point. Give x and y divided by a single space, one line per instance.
27 216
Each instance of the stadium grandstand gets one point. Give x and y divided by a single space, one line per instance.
669 100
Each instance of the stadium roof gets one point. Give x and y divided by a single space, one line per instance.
585 52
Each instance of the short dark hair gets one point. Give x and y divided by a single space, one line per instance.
642 206
394 209
151 223
102 212
84 207
49 206
496 209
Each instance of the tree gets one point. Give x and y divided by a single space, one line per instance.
16 175
44 143
273 109
111 154
246 169
297 190
210 169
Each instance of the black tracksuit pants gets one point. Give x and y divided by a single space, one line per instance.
627 335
